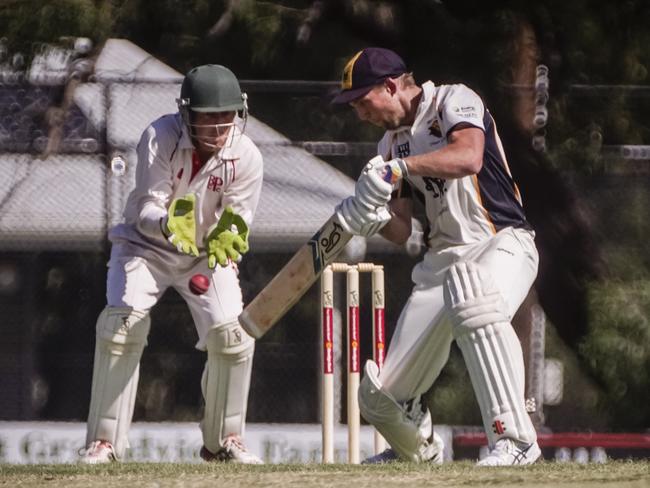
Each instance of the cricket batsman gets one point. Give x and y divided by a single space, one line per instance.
441 146
198 182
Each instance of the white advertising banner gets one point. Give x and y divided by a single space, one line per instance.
60 442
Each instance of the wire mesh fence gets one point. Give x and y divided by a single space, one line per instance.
60 147
60 194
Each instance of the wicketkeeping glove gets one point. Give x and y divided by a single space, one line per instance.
180 225
222 243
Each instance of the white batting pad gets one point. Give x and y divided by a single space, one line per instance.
410 437
225 383
121 337
491 350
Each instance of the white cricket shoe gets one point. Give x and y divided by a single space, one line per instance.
232 451
98 452
507 452
431 453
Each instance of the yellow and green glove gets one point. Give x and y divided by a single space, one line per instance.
222 244
180 225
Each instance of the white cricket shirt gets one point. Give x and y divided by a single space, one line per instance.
463 210
165 171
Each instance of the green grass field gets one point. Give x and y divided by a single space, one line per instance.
617 474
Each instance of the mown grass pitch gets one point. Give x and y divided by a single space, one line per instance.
619 474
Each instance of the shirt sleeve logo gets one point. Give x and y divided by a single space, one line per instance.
467 112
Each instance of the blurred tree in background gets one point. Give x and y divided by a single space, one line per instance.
589 209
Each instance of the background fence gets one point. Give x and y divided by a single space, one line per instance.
58 196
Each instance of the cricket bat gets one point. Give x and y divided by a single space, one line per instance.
294 279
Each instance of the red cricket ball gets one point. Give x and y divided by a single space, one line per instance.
199 284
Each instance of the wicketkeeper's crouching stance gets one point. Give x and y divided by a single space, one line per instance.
198 181
441 145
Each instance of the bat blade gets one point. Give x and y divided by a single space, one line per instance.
294 279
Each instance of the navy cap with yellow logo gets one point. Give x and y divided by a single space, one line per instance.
367 68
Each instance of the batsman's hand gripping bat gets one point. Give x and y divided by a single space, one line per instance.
295 278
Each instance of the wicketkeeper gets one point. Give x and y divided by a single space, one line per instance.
442 147
197 173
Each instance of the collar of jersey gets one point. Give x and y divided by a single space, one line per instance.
428 89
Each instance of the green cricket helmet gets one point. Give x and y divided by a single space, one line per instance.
211 88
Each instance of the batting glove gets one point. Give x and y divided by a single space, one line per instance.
378 179
179 227
359 219
222 244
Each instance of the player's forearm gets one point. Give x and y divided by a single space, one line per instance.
447 163
398 230
149 220
462 156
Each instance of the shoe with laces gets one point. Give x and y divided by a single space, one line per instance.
507 452
232 451
433 452
98 452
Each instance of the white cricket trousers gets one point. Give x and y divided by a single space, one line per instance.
420 345
138 277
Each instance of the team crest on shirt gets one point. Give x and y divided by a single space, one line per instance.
215 183
403 150
434 129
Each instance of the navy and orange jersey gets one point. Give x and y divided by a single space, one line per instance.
462 210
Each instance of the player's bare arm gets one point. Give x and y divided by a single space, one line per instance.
462 156
398 230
